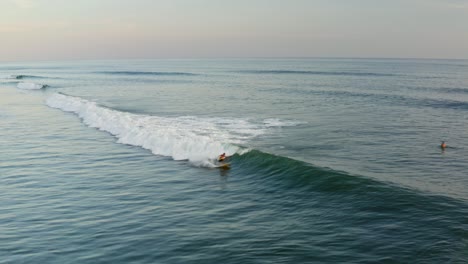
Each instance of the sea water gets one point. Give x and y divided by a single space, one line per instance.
332 161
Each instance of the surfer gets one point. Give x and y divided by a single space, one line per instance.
443 145
222 157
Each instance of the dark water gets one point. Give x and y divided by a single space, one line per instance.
332 161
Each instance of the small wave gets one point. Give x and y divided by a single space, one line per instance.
448 104
333 73
447 90
30 86
384 98
146 73
196 139
22 76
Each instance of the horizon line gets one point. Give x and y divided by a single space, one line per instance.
239 58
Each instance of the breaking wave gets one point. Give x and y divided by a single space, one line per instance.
199 140
30 86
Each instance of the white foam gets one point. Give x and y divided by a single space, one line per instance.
199 140
30 86
274 122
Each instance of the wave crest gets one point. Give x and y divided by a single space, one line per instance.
198 140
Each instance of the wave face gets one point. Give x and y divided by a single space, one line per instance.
199 140
30 86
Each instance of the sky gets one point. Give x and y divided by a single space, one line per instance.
37 30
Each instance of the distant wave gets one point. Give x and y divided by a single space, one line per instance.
332 73
196 139
394 99
448 104
30 86
448 90
146 73
406 100
23 76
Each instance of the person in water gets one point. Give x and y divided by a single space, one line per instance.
222 157
443 145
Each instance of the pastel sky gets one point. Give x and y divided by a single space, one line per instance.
122 29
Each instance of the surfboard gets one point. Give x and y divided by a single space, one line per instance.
224 165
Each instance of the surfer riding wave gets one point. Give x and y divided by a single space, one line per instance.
222 157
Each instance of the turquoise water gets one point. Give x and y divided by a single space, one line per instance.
332 161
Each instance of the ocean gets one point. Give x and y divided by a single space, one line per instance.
331 161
